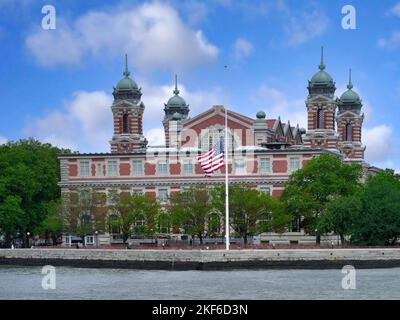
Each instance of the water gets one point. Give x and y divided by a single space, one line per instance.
79 283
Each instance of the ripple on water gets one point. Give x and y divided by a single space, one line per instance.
81 283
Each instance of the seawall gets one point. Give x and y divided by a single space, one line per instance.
204 259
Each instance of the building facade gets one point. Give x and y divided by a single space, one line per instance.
262 152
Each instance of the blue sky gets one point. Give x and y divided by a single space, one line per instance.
56 84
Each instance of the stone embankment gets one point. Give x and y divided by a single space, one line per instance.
204 259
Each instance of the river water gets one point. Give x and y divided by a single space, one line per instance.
82 283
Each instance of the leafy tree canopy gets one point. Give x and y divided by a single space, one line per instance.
29 173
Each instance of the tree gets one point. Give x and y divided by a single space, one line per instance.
341 216
251 211
11 217
310 189
190 210
29 173
134 215
53 225
379 222
84 212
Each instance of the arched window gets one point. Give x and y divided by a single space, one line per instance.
320 119
349 132
210 136
125 123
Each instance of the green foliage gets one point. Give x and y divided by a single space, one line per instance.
11 216
29 173
134 215
310 189
341 216
53 225
190 210
379 222
84 212
251 211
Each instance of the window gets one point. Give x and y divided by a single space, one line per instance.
137 167
163 195
240 166
84 168
99 169
320 119
125 123
137 192
140 221
265 189
113 225
265 165
188 167
112 196
295 225
164 224
162 167
214 225
294 164
349 132
112 168
139 224
209 137
89 240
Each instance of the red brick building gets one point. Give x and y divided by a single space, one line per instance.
262 152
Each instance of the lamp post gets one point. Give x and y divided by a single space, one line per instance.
316 236
97 238
28 234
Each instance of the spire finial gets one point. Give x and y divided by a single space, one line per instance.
350 85
322 66
126 72
176 91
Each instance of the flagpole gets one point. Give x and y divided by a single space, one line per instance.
226 177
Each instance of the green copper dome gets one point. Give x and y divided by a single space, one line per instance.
350 96
176 102
321 83
126 84
322 77
349 100
260 115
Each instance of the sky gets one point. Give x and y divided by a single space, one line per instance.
56 84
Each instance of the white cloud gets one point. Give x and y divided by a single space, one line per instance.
152 33
379 143
275 103
155 137
196 11
392 42
395 10
242 48
3 140
300 29
85 122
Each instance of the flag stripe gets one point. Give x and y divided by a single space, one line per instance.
213 159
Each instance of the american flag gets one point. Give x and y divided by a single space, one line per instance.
213 159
